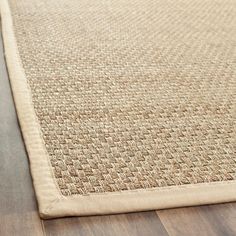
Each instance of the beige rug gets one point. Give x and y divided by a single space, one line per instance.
125 105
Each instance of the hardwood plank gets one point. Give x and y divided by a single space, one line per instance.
142 223
25 224
18 209
203 220
222 217
185 222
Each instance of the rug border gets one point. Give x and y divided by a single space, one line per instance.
51 202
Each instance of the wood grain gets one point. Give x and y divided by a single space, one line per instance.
209 220
222 217
143 223
25 224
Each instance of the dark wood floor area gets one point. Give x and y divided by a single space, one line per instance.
18 207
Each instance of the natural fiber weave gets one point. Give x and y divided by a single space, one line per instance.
131 95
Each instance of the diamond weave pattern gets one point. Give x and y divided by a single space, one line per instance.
132 94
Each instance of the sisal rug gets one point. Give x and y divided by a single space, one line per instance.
125 105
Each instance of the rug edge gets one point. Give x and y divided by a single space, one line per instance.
45 188
163 198
51 203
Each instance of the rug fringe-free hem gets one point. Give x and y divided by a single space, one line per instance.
51 202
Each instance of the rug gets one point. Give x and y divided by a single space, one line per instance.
124 105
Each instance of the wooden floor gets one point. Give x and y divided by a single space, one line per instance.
18 207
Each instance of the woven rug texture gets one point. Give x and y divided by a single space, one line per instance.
131 95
